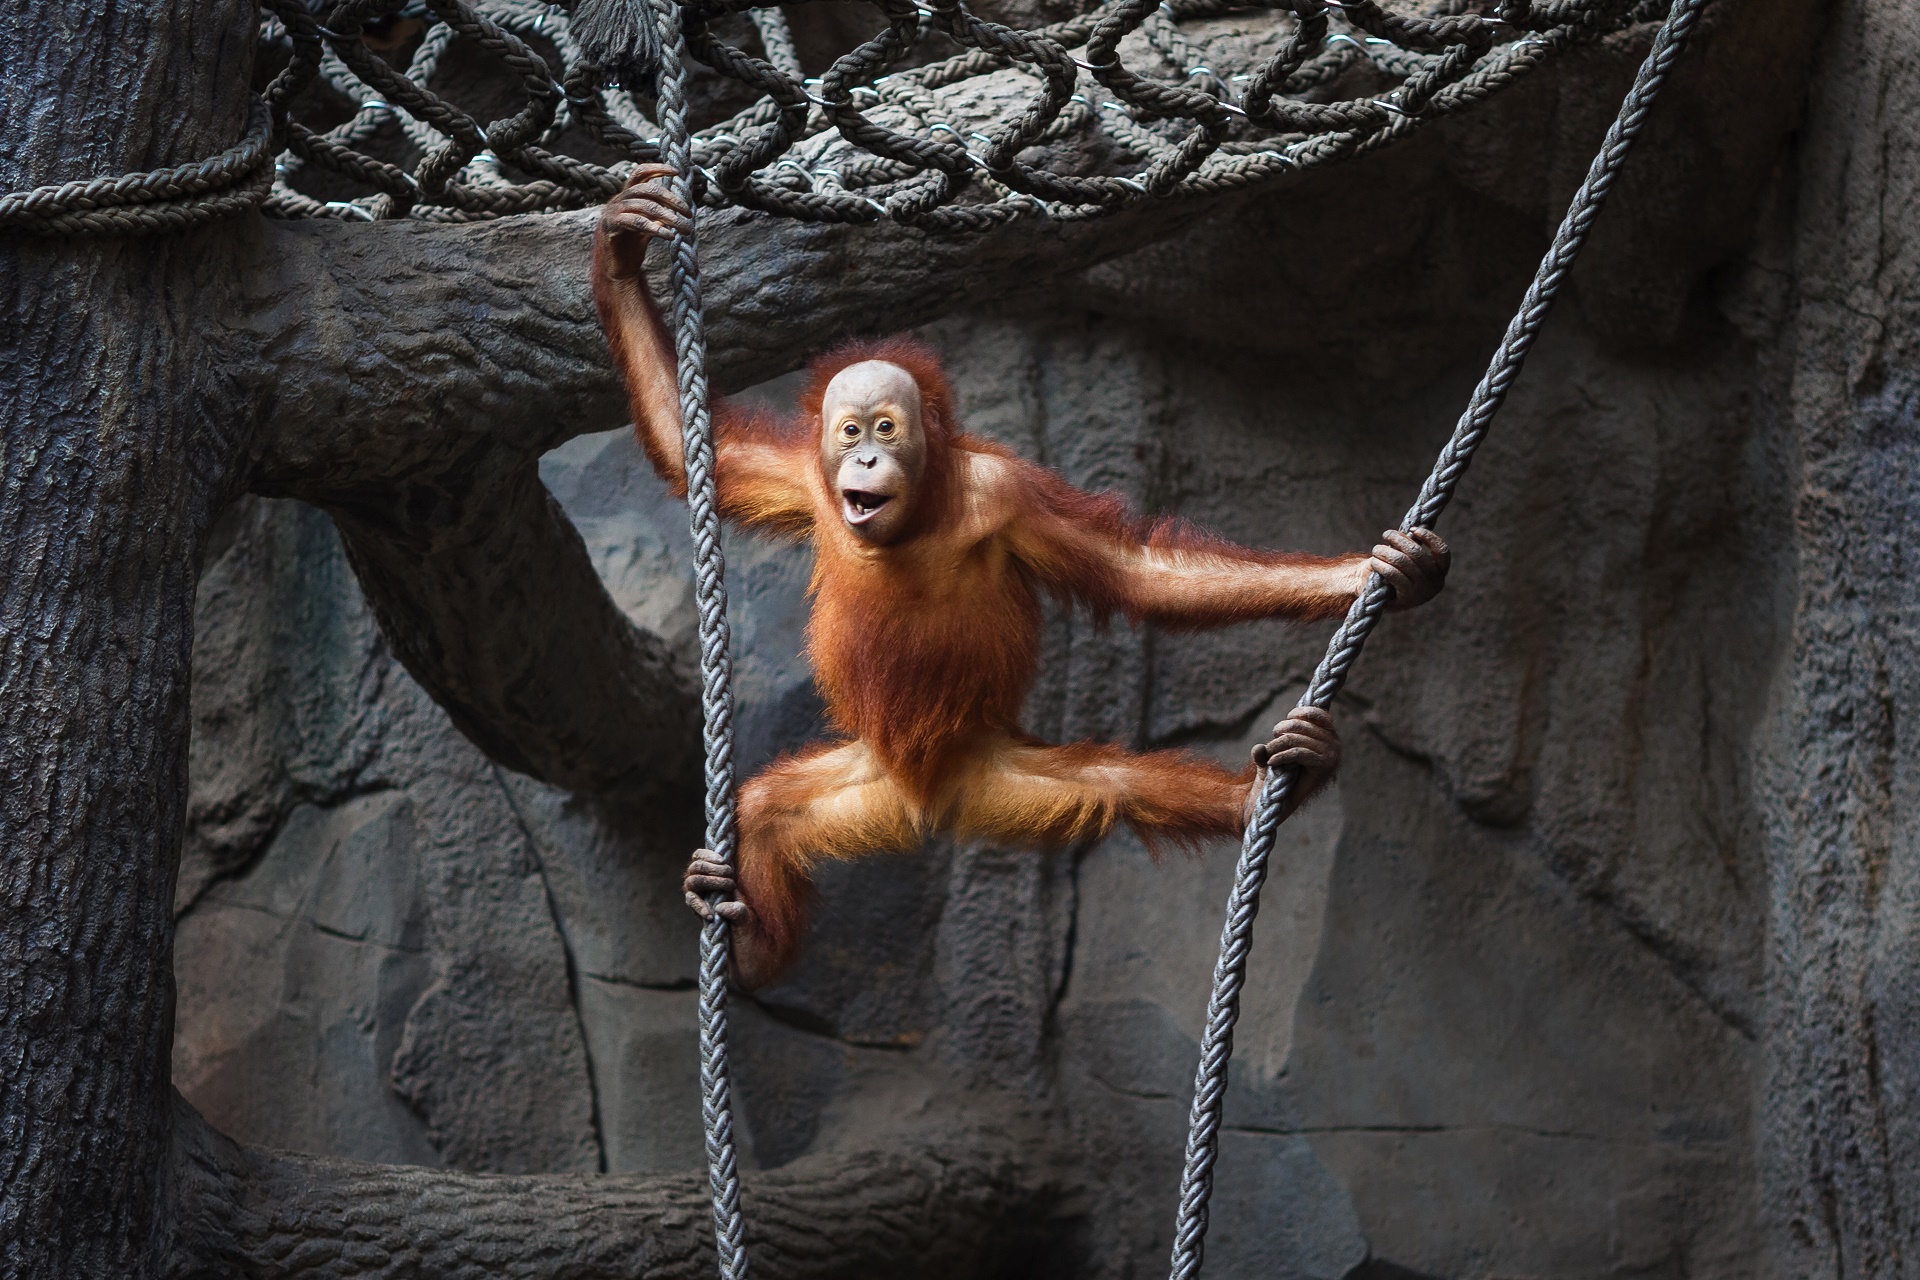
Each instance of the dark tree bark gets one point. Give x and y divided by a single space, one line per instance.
123 402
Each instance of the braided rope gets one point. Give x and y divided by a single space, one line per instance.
776 37
172 199
1236 937
716 659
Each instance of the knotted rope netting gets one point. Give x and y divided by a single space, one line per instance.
941 119
1236 936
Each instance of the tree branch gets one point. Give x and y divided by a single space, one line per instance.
486 593
416 391
406 350
901 1211
405 347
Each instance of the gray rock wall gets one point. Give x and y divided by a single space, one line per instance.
1590 964
1840 1187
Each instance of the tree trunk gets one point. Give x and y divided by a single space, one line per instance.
119 411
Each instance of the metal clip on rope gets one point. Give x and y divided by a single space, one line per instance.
1236 936
716 661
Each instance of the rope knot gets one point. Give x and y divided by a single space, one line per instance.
620 39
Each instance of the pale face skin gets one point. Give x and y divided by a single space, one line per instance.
873 448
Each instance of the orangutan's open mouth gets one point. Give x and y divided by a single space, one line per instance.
860 505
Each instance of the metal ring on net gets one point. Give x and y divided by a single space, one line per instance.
1236 937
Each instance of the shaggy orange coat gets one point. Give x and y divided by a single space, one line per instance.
924 649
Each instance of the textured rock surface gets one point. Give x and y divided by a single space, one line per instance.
1591 965
1841 1167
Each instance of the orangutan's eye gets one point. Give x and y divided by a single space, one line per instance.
850 429
885 426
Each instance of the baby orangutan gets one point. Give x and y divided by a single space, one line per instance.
931 553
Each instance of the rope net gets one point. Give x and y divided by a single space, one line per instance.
461 110
941 119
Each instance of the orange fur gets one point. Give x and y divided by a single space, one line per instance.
842 801
1069 544
924 649
1024 791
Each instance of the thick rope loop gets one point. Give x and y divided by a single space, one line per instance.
161 200
1236 937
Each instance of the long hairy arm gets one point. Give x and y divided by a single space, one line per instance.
1089 546
761 469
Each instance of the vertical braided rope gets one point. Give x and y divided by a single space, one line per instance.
716 659
1236 937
